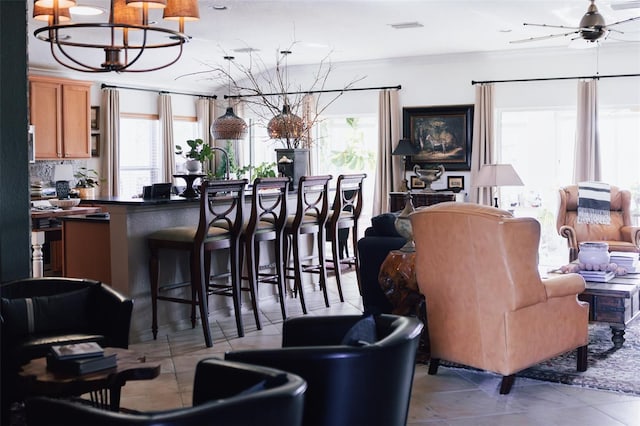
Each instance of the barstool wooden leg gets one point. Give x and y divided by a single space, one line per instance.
322 269
335 255
198 282
253 272
236 279
297 270
280 272
153 274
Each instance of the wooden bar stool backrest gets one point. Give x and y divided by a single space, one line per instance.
268 205
221 213
313 203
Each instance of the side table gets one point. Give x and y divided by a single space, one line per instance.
104 386
189 191
398 282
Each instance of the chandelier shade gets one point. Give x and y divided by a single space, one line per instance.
285 125
229 126
69 41
41 13
181 11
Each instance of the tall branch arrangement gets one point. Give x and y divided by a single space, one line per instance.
267 91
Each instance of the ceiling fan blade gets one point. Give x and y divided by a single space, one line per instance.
623 21
547 37
551 26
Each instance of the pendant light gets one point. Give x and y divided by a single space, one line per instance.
229 126
286 125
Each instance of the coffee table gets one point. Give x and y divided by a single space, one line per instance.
616 302
103 386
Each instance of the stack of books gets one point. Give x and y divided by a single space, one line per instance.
597 276
626 260
79 358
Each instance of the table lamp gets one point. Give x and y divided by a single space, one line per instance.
497 175
62 174
405 148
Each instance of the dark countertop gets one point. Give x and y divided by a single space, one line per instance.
94 217
139 201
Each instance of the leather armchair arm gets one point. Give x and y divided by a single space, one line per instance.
570 234
111 316
564 285
631 234
317 331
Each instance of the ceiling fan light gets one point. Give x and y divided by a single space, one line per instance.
229 126
285 125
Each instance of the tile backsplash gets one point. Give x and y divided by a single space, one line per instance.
43 170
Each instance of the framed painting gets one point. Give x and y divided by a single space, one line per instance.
455 183
416 183
95 145
442 135
95 118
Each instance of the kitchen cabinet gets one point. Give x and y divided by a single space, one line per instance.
60 111
86 246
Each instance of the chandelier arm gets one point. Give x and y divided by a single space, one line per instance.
85 68
160 66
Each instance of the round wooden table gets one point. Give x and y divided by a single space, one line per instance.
104 386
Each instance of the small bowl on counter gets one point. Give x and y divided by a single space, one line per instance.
66 204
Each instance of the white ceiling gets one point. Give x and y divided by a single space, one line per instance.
355 30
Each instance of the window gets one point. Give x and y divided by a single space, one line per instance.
184 128
140 156
540 144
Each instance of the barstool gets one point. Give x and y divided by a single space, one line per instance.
266 223
218 227
309 219
343 216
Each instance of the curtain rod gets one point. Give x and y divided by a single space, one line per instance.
109 86
554 78
355 89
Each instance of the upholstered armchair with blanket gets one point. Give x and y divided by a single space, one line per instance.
487 306
619 233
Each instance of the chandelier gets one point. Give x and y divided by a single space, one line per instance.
286 125
229 126
123 39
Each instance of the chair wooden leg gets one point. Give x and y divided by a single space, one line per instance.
199 283
335 254
297 273
153 278
356 255
236 279
253 263
582 358
322 265
280 272
434 363
507 382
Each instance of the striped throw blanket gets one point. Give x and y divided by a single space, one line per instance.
594 203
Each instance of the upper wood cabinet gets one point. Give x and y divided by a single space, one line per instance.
60 111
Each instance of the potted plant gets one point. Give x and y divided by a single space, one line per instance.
198 152
88 180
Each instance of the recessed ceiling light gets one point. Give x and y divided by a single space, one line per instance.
505 30
218 7
86 10
405 25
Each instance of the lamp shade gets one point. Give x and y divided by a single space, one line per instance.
62 4
63 172
405 147
185 9
285 125
123 14
151 4
229 126
498 175
45 13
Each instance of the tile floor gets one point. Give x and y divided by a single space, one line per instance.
452 397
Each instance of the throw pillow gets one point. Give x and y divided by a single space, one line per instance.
362 333
384 225
43 314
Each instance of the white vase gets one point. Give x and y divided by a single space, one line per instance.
594 253
193 166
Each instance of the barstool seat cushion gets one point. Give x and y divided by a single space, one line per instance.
187 234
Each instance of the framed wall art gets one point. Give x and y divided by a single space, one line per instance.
95 145
95 118
455 183
416 183
442 135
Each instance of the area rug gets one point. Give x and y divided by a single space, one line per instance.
608 368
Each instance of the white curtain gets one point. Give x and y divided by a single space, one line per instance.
205 114
309 105
166 136
482 149
110 149
587 153
388 136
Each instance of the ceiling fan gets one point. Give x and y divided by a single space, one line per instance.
591 27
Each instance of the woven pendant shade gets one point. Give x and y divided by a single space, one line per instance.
229 126
285 125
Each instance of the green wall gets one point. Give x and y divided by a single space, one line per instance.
15 251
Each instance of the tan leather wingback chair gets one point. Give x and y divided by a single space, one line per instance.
620 234
487 306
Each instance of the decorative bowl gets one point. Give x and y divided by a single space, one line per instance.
65 204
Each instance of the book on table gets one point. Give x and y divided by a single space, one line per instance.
79 358
597 276
79 366
77 350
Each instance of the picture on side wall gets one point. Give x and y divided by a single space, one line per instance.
455 183
442 134
95 118
95 145
417 183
